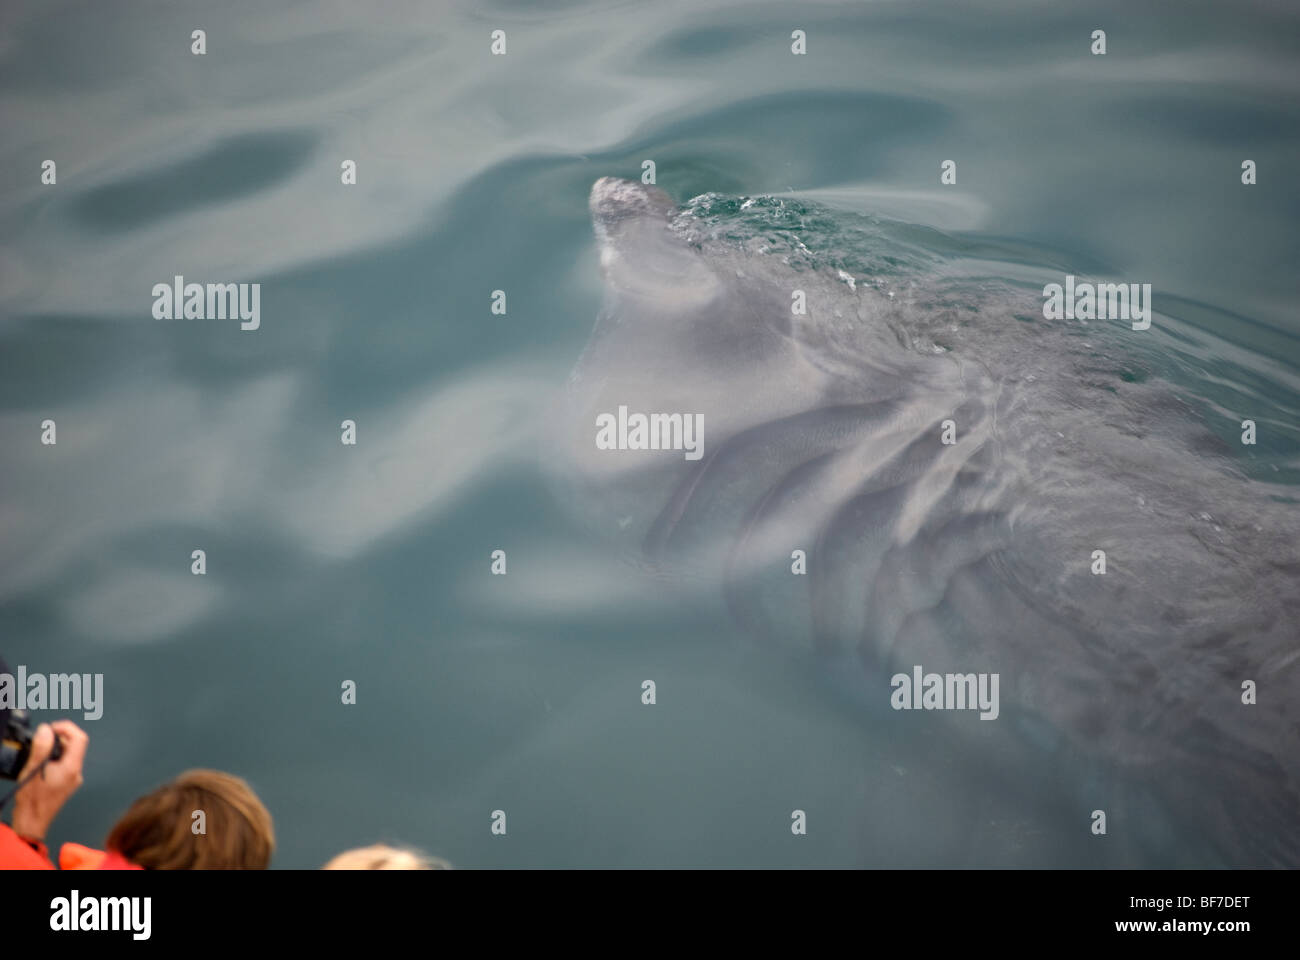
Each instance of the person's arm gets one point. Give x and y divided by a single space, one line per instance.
38 802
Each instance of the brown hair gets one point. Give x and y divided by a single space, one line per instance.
157 831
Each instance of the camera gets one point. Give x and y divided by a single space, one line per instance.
16 744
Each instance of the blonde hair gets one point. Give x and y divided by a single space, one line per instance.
156 831
383 857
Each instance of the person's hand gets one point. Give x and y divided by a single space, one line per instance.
39 801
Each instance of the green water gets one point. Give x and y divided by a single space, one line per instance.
371 563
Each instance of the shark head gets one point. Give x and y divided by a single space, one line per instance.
686 330
640 255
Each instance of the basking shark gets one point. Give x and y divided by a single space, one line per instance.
952 466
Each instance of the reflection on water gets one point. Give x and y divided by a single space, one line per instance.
370 563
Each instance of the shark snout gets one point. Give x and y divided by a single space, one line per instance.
614 199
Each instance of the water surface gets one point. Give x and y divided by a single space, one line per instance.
371 563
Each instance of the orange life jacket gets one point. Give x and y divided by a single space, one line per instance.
74 856
17 854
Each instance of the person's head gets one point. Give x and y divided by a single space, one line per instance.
163 830
382 857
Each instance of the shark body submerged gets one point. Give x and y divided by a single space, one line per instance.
951 465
